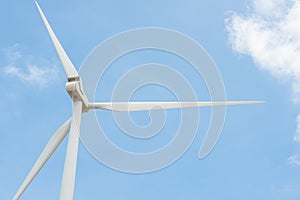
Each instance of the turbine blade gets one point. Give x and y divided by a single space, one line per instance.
66 62
52 145
68 180
142 106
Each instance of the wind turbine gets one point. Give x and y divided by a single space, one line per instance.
80 105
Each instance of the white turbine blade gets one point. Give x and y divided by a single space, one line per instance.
52 145
66 62
142 106
68 180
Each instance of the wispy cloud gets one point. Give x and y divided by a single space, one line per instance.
297 135
34 72
270 34
12 53
270 8
294 161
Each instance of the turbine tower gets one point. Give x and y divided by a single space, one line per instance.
80 105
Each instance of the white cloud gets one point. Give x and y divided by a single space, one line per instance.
33 74
11 53
297 135
294 161
21 66
270 34
269 8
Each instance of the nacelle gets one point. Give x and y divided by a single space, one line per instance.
74 88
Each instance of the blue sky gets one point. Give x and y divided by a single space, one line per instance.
257 156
